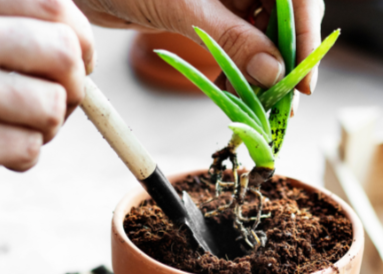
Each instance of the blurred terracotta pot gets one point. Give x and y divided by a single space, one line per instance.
129 259
154 71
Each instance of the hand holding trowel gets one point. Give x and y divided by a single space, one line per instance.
137 159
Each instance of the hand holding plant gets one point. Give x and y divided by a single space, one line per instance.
237 26
262 134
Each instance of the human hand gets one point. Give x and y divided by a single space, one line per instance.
46 50
227 21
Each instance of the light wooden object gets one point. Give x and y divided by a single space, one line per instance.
114 129
354 171
357 143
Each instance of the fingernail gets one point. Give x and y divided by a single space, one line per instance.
35 141
314 80
92 63
265 69
295 104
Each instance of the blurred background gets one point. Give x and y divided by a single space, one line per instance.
56 217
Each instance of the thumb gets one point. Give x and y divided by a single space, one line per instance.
254 54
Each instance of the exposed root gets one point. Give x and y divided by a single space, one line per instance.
239 188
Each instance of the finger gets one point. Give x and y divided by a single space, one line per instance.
43 103
101 18
243 5
314 79
261 20
49 50
19 147
224 84
229 87
242 8
308 18
254 54
62 11
268 5
221 81
295 104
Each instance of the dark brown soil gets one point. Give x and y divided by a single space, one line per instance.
306 232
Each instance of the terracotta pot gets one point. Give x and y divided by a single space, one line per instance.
154 71
129 259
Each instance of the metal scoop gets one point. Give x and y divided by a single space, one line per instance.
120 137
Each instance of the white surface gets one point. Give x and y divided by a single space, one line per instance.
353 119
56 217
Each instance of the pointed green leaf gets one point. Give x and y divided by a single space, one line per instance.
286 33
243 106
272 34
274 94
257 90
272 27
235 113
258 148
236 78
280 112
279 119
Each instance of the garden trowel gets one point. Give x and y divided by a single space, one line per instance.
137 159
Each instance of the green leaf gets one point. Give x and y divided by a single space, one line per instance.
274 94
235 113
243 106
272 27
236 78
280 112
258 148
279 119
286 33
257 90
272 34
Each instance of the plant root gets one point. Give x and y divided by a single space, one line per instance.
248 182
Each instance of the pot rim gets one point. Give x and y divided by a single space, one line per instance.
357 227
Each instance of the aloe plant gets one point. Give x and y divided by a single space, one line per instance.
249 109
261 133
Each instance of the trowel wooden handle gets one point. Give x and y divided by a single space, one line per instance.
120 137
113 128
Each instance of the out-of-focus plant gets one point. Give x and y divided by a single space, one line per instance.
262 134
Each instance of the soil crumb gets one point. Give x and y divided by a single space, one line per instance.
306 232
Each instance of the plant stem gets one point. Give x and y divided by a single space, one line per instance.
258 148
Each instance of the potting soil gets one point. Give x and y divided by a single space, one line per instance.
306 231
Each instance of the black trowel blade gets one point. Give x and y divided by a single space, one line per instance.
180 212
198 226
